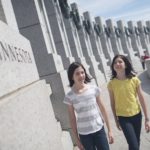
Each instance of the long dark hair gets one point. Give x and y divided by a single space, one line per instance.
129 71
71 70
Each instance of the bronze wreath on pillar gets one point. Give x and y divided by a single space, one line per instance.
118 32
146 30
137 31
128 31
76 18
87 26
97 29
107 31
64 8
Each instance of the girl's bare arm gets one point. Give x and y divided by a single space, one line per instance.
73 124
112 102
144 108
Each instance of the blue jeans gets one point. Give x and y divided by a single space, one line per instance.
95 141
131 127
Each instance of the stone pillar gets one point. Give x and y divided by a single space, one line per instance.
97 48
26 113
148 29
135 41
35 26
88 53
143 37
15 54
105 40
127 47
125 40
2 15
73 38
59 32
115 42
7 14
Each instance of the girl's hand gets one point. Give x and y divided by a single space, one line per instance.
80 146
147 126
110 138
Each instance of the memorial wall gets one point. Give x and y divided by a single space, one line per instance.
39 39
27 116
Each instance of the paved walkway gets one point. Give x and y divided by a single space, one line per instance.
120 142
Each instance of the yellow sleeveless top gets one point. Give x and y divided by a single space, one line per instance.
125 96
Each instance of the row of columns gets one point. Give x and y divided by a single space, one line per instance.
59 37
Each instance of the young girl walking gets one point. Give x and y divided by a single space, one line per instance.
84 105
126 98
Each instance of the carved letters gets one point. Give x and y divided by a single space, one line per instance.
12 53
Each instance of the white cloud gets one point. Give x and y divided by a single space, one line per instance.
107 8
101 6
135 15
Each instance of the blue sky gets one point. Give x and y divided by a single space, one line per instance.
134 10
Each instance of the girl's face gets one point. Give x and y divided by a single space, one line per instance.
119 65
79 75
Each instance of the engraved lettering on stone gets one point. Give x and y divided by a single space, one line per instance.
12 53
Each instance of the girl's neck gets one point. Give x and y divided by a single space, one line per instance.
121 76
78 89
79 86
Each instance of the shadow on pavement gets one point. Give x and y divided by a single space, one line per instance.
145 82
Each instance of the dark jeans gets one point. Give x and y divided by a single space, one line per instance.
95 141
131 127
143 65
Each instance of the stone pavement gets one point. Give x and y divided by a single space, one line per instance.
120 142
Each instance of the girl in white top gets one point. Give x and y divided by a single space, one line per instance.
85 100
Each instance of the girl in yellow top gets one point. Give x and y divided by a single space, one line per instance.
124 87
